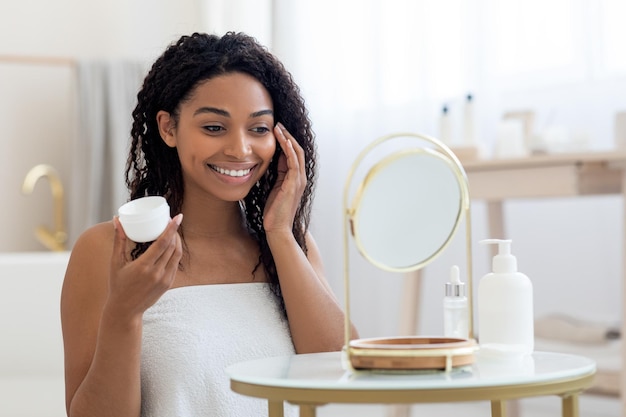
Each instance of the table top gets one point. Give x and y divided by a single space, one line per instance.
326 371
553 159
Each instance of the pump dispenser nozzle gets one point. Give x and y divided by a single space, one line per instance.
504 261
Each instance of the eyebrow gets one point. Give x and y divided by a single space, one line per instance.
262 113
224 113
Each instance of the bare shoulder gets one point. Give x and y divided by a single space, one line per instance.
93 248
98 236
84 293
86 278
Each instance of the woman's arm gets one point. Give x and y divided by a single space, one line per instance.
102 303
315 318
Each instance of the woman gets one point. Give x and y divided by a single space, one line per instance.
221 131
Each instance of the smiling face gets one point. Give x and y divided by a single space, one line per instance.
223 136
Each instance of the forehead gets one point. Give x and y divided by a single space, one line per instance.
231 91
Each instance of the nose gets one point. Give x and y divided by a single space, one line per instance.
238 145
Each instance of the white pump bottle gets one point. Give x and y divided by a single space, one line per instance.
505 307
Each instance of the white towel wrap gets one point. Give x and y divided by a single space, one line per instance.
193 333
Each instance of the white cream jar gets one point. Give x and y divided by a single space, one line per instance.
145 218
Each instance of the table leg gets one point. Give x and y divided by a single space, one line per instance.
513 408
570 406
495 224
275 409
399 410
498 408
622 378
495 219
308 410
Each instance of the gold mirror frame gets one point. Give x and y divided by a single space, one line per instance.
408 353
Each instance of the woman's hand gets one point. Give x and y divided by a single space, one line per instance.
134 285
284 199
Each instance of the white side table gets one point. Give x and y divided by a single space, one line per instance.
311 380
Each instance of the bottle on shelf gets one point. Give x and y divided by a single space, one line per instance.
469 136
445 126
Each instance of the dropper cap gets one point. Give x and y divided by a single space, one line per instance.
504 261
455 288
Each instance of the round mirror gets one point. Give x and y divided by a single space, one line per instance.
403 213
407 208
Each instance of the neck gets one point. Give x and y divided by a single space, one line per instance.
212 220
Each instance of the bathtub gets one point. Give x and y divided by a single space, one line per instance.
31 344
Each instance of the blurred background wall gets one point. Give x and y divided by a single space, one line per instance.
366 68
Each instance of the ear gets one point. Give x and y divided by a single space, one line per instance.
166 128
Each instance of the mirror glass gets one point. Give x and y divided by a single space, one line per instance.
406 209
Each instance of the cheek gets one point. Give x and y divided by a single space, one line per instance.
267 148
266 152
186 154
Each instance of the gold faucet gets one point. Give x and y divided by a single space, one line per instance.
53 240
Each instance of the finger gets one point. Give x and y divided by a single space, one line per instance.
169 250
161 245
174 259
287 144
289 137
298 150
119 244
163 260
281 134
169 262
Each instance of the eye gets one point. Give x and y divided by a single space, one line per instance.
261 130
213 128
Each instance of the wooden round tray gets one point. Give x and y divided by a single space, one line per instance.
411 353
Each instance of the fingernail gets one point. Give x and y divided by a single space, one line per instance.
178 219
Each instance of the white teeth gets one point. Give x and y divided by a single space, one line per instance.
231 172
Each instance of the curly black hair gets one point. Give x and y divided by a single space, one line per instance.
153 168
